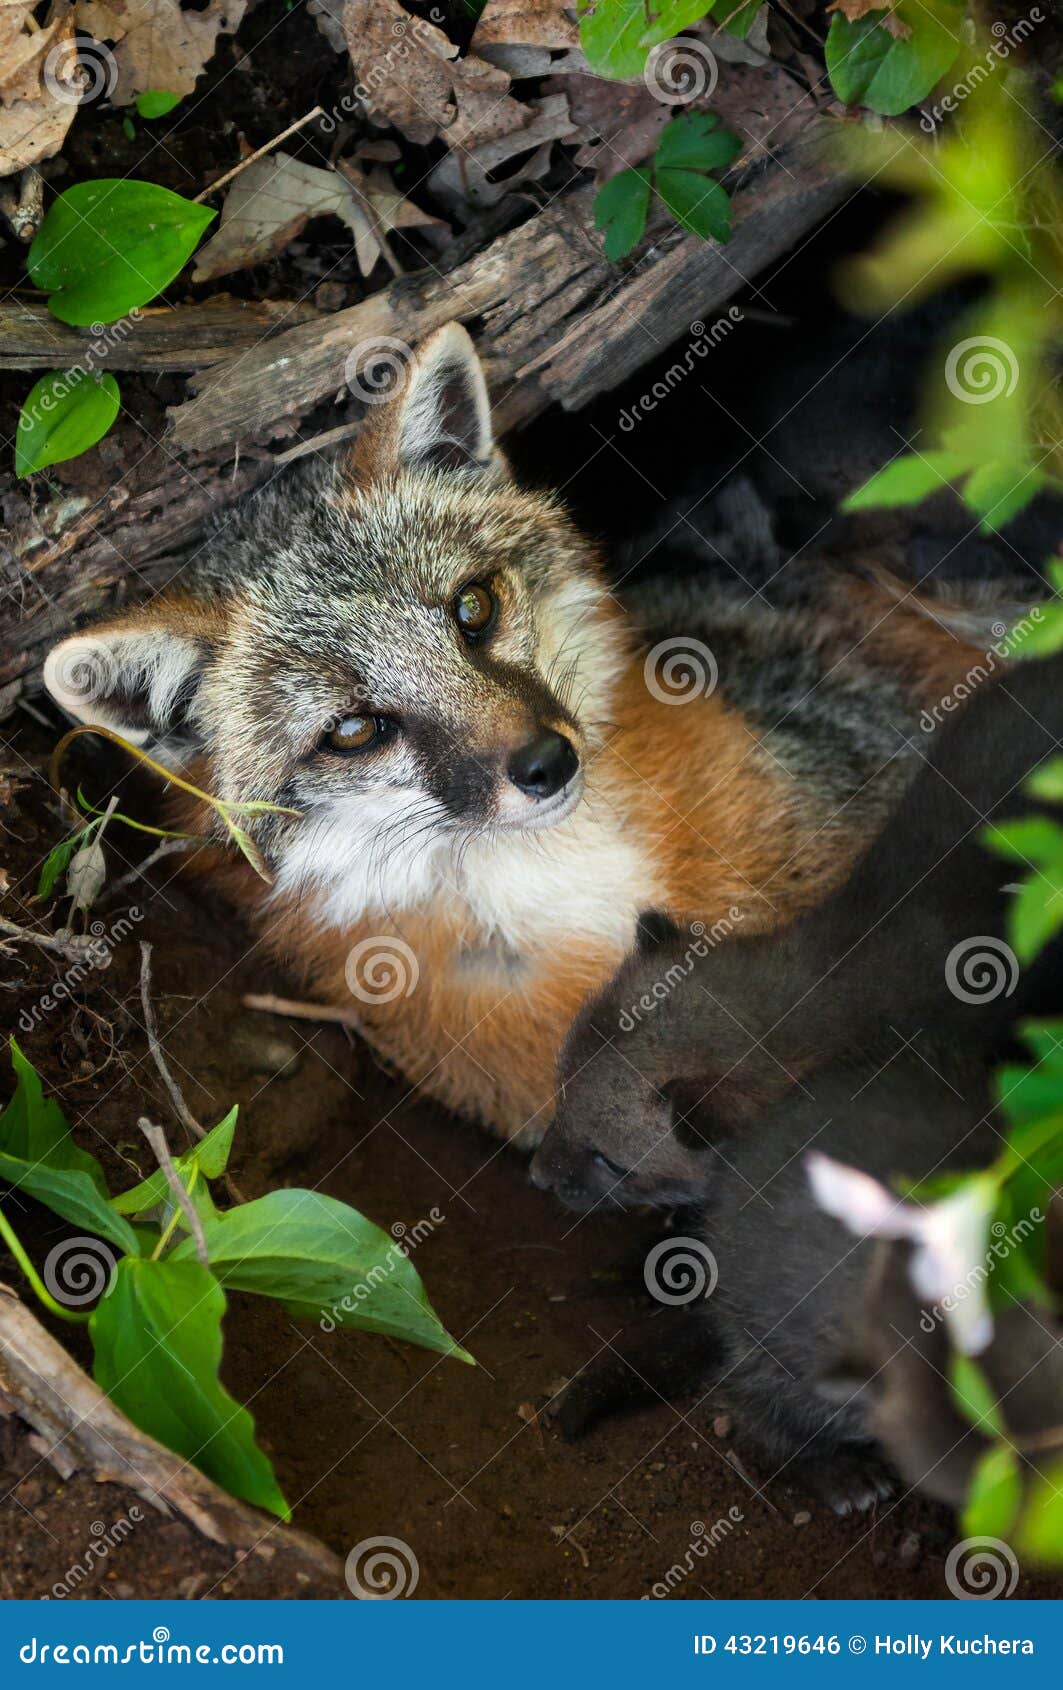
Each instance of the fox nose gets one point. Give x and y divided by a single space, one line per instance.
544 765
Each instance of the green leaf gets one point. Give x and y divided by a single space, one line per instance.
997 492
1031 839
994 1496
617 35
696 202
211 1155
156 102
696 142
868 66
620 208
158 1344
108 246
309 1250
72 1194
63 414
1040 1532
1047 781
1035 915
973 1394
33 1128
1045 637
736 16
57 862
906 480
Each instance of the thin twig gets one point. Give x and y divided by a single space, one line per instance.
166 849
157 1139
72 947
302 1011
318 111
184 1114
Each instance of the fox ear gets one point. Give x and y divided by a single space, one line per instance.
138 678
440 418
654 928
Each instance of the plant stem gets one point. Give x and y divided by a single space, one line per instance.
7 1233
178 1215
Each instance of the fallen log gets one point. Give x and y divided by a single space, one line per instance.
182 337
77 1428
554 322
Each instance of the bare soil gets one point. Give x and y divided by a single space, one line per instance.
373 1438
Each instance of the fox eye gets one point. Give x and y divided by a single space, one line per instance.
474 608
354 733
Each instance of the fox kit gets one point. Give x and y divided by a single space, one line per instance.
484 746
690 1041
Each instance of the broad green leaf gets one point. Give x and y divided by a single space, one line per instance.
211 1155
63 414
1029 839
158 1344
309 1250
156 102
108 246
696 142
56 862
620 208
696 202
1045 637
1035 914
72 1194
1047 781
973 1394
995 1494
617 35
33 1128
906 480
736 16
1040 1532
997 492
868 66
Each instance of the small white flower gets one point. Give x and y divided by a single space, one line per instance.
948 1266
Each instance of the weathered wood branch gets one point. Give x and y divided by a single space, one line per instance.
554 322
184 337
79 1428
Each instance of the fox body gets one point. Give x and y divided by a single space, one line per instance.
692 1040
489 775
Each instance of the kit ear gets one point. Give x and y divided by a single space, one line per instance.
654 928
138 677
439 417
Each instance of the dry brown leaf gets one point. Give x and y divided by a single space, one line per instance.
157 43
461 182
526 23
271 202
40 83
623 118
409 74
854 10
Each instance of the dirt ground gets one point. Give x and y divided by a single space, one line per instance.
372 1438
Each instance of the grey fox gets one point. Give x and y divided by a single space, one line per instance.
483 741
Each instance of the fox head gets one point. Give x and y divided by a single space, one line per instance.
404 646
